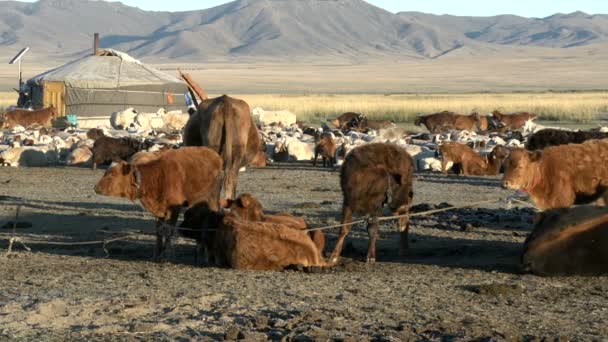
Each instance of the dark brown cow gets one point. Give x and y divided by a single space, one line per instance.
224 124
108 149
182 177
95 133
25 118
364 124
554 137
373 175
570 241
559 176
326 148
341 121
513 121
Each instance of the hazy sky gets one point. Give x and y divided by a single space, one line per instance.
527 8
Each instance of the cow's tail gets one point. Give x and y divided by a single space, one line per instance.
221 130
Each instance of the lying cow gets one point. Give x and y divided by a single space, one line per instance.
341 121
568 242
181 177
553 137
224 124
446 120
108 149
248 209
469 162
326 148
373 175
25 118
559 176
513 121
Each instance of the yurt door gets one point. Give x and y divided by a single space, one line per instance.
54 94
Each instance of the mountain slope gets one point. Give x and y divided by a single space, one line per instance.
278 29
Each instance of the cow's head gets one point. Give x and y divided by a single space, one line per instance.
418 121
500 152
334 122
245 206
401 193
521 169
118 181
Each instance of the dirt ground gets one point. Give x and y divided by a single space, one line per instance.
461 280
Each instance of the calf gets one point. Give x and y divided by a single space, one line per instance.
469 162
559 176
373 175
568 242
553 137
248 209
25 118
513 121
326 147
108 149
178 178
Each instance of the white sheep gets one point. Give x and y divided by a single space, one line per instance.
295 148
265 117
123 119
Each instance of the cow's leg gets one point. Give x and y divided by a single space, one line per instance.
314 161
230 180
404 227
347 217
158 250
169 232
444 164
372 231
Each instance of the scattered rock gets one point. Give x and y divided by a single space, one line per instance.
232 333
497 289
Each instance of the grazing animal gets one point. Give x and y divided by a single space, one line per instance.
341 121
513 121
374 175
559 176
326 147
570 241
123 119
294 149
269 117
224 124
446 120
25 118
469 163
108 149
95 133
178 178
81 156
553 137
363 124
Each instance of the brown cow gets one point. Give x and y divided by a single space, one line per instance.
95 133
341 121
269 254
326 147
513 121
224 124
251 245
470 163
248 208
446 120
373 175
181 177
108 149
570 241
559 176
25 118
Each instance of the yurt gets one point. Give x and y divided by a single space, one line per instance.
107 81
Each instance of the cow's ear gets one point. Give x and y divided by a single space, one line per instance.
226 203
397 178
126 168
536 155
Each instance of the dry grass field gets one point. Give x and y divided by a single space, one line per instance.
576 107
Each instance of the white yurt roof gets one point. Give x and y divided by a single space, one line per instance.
108 69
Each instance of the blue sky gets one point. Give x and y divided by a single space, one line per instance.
527 8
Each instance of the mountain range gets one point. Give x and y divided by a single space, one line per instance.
279 30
